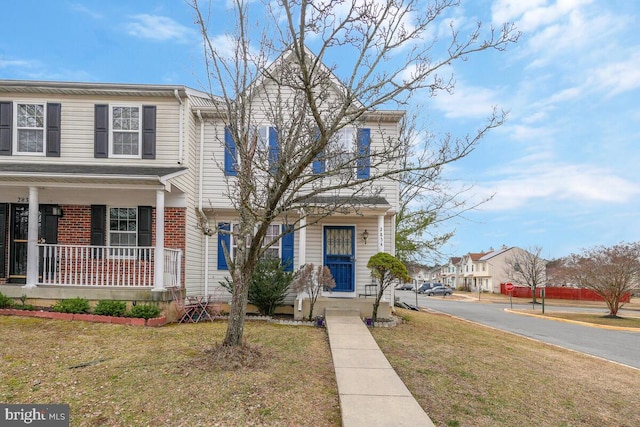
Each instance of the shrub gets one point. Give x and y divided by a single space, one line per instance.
72 305
111 308
5 301
268 287
145 311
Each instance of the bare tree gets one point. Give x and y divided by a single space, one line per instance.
313 281
611 272
526 268
426 198
264 71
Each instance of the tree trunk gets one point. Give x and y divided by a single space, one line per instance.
376 303
533 293
235 327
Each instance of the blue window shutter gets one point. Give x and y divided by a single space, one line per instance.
226 239
230 154
287 247
273 150
364 161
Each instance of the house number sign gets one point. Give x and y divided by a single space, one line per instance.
23 200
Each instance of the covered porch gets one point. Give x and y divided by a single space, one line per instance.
90 227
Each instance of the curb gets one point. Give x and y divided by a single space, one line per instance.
577 322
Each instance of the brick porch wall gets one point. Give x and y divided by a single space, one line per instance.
74 228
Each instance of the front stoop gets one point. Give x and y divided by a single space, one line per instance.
371 392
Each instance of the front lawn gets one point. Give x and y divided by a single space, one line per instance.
463 374
114 375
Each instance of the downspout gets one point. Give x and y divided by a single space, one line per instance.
180 127
207 229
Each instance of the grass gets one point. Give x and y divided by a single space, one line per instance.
466 375
597 319
114 375
460 373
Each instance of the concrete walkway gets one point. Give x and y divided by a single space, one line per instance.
371 393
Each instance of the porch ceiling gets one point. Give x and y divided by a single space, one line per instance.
42 173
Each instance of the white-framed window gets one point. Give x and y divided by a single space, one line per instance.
30 123
262 133
126 130
274 251
343 147
123 227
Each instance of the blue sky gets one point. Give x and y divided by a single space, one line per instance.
564 169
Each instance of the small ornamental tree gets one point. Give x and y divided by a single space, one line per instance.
312 281
386 269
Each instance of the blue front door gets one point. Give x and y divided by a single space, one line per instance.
339 256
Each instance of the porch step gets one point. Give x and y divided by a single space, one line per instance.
341 312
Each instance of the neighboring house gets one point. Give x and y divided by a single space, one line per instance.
86 168
451 273
85 171
497 262
418 273
494 263
482 271
474 273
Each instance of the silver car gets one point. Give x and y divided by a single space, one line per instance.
439 290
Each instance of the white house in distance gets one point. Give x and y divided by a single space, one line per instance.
485 271
86 169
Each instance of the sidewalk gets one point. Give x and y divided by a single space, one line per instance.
371 393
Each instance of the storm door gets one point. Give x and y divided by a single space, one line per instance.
339 247
19 238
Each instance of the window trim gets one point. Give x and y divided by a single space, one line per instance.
108 232
15 130
112 131
233 245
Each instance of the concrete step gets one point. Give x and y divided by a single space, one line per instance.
337 312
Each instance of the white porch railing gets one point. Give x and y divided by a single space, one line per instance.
76 265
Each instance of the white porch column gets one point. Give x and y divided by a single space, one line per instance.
32 236
380 233
158 284
302 253
302 240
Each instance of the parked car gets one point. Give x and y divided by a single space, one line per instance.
426 286
404 287
439 290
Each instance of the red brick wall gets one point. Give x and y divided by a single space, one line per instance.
74 228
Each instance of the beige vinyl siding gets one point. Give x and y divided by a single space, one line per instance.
194 263
77 129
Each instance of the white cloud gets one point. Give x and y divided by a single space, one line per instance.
158 28
534 183
466 101
617 77
6 63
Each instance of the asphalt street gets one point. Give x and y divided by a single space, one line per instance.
618 346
